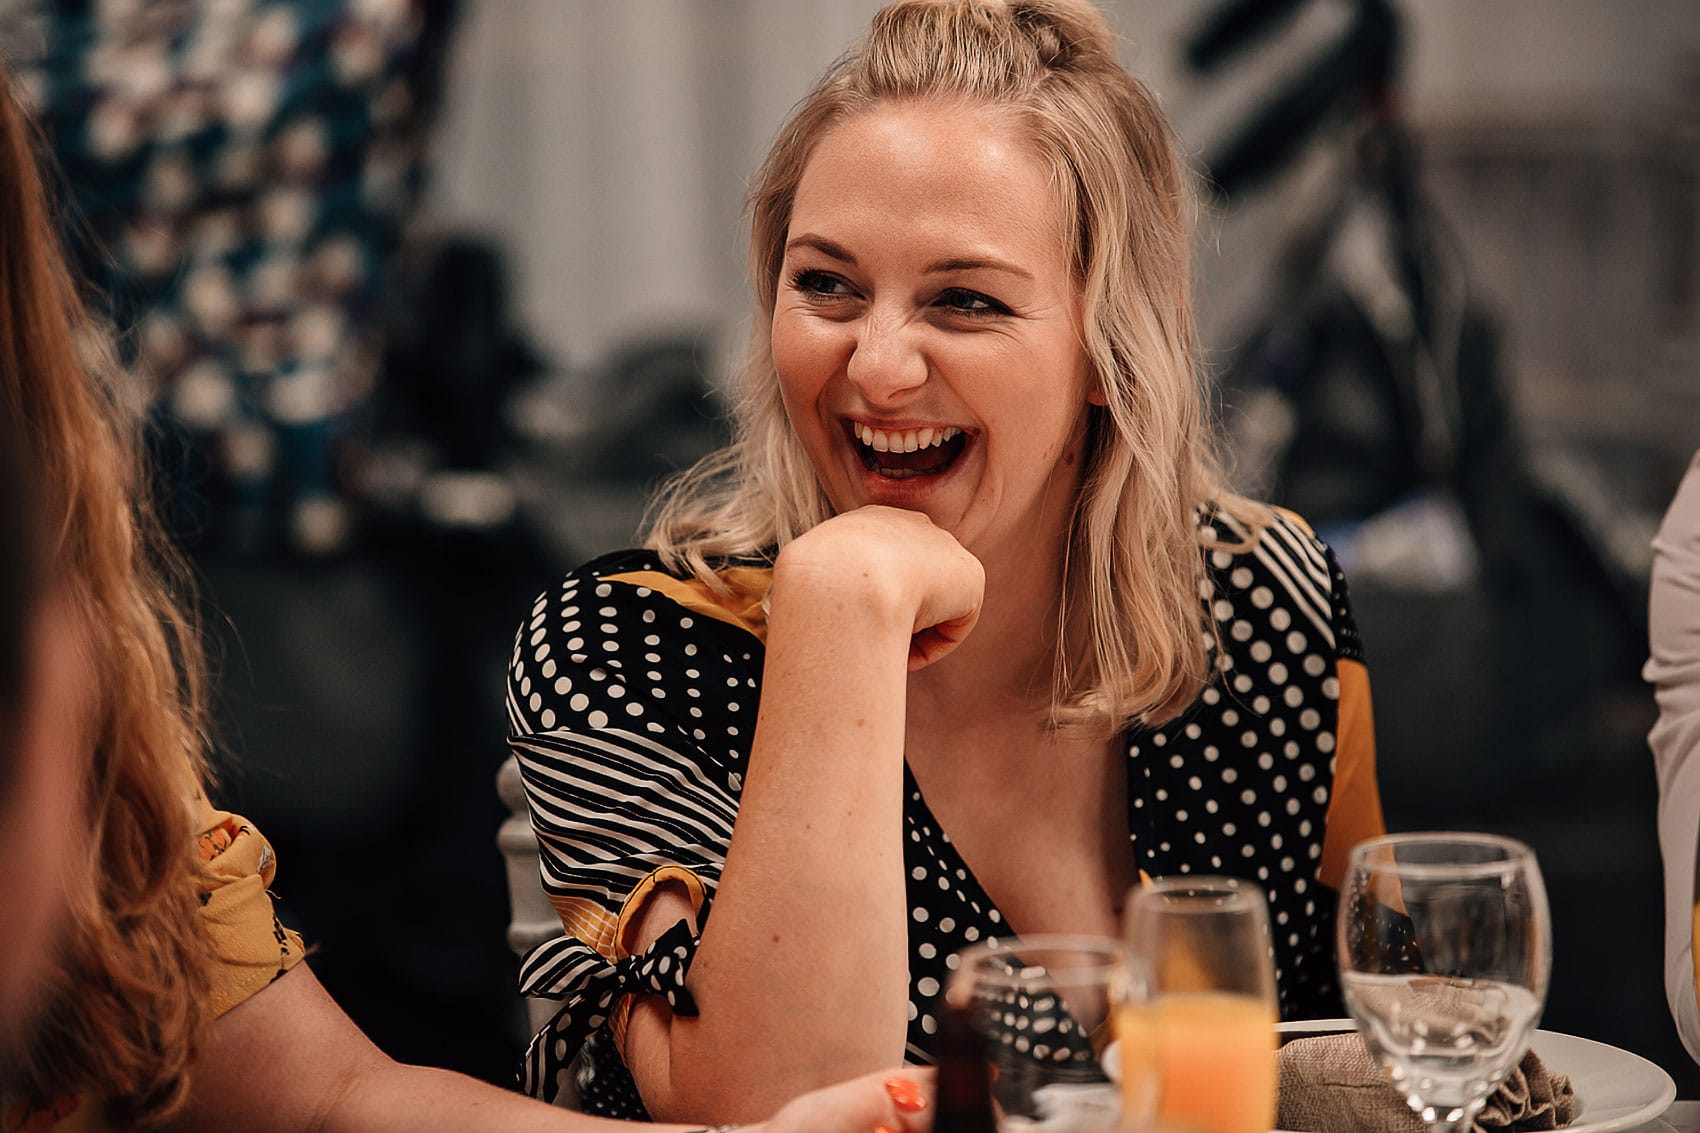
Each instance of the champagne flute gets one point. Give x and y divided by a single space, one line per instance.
1039 1009
1444 947
1205 1032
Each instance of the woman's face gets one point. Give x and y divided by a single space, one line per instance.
927 329
39 809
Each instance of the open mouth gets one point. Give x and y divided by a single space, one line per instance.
899 454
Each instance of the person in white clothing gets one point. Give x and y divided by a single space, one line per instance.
1674 670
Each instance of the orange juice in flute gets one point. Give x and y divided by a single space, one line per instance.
1203 1040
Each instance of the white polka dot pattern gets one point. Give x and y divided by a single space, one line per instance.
633 748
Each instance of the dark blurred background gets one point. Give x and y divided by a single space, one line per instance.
426 293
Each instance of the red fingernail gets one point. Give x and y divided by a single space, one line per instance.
905 1095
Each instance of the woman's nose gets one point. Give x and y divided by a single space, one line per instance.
886 360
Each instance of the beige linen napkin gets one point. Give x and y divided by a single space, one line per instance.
1332 1085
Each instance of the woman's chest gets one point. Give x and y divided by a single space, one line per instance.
1037 865
1044 839
1033 882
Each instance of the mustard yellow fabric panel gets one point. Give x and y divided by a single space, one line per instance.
741 606
1354 809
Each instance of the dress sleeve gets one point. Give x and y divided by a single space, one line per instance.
629 716
251 947
1354 809
1674 670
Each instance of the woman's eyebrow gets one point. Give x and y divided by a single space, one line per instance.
977 264
823 245
842 254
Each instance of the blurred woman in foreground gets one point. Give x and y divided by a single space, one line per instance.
144 979
39 666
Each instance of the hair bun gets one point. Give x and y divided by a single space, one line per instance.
1064 33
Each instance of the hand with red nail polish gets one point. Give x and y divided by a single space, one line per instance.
905 1095
874 1103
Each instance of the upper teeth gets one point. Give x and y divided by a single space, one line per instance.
904 440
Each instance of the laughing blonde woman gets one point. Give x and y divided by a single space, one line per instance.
962 634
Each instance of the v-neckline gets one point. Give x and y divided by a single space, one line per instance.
953 859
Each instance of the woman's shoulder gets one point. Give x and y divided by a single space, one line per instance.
1266 564
625 645
615 566
1253 536
732 593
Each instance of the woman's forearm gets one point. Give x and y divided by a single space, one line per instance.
391 1095
288 1059
801 975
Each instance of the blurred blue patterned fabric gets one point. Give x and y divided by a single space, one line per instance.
240 173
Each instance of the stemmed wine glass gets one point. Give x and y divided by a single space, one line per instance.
1444 947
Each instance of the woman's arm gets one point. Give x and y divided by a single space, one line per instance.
801 977
289 1059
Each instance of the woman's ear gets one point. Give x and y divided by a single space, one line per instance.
1095 391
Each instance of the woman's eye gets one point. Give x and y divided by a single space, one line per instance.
818 283
963 301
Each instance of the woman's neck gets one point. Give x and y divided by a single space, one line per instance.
1005 666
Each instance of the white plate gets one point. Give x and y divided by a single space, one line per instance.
1618 1090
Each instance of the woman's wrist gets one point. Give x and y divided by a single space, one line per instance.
830 610
850 572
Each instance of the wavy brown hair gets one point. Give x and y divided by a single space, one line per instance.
1132 644
117 1017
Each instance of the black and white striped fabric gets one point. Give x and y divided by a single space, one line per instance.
570 969
632 700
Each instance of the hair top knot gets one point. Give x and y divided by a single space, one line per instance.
1063 34
980 49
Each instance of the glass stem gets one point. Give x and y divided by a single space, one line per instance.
1462 1125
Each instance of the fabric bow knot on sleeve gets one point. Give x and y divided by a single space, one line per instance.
557 965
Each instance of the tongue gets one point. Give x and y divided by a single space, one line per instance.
921 460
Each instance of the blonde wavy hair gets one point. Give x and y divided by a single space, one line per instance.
1133 642
118 1013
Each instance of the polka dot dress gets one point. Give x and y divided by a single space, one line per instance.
632 700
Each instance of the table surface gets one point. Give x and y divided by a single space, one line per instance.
1681 1117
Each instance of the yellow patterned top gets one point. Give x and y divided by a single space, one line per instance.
251 948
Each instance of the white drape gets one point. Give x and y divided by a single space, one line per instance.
607 145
